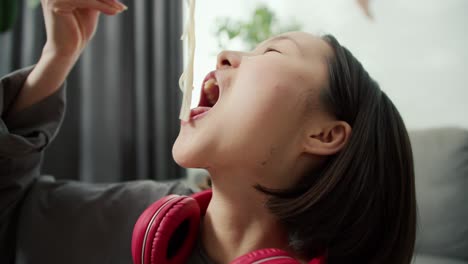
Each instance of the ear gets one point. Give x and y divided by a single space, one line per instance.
328 139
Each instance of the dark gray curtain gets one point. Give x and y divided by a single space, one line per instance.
123 96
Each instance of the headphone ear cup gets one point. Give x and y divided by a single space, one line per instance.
268 255
166 231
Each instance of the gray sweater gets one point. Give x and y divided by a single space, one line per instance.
47 221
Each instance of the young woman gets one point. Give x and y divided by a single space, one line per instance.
306 154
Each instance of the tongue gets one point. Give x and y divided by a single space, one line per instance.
199 110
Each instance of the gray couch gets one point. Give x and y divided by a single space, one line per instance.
441 166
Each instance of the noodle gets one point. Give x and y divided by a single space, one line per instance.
186 79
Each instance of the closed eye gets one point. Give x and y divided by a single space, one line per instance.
271 50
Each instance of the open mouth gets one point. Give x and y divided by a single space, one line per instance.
209 96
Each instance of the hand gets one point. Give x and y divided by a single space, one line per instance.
70 24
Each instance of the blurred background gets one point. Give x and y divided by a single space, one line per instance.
123 96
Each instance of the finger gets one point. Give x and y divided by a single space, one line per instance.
67 7
116 4
100 6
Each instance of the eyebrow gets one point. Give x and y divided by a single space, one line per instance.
278 38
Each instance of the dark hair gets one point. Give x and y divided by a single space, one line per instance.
360 207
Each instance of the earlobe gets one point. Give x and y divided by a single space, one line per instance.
329 139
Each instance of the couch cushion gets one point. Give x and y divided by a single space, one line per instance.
441 167
426 259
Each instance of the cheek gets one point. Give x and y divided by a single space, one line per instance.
265 94
264 113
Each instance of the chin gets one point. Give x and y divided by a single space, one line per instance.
181 155
186 155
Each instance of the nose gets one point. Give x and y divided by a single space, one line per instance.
229 59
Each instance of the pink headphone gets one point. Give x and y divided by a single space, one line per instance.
160 228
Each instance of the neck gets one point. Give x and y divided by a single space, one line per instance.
237 222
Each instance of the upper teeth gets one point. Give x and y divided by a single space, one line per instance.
208 88
210 84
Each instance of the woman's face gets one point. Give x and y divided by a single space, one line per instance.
268 98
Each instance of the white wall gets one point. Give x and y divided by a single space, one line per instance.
415 49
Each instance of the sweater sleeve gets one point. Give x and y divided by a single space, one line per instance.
77 222
23 137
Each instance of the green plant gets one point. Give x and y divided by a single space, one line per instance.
33 3
9 12
262 25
